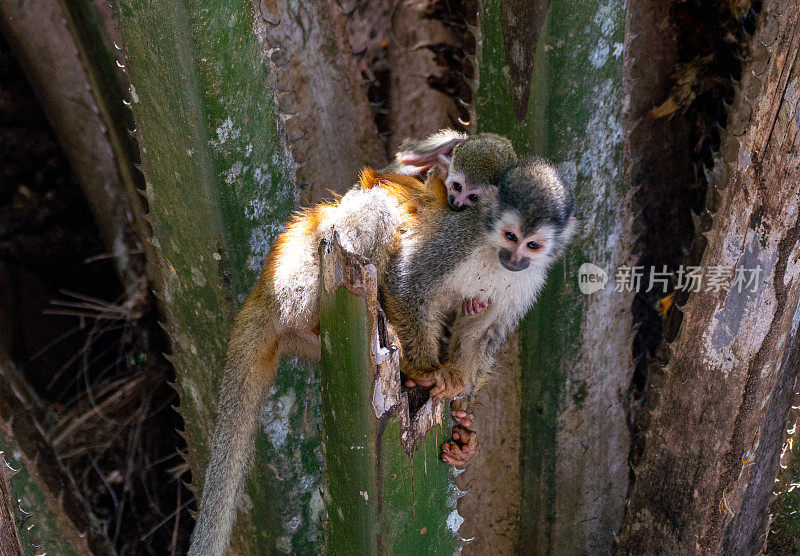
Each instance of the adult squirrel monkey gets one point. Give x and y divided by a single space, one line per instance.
499 253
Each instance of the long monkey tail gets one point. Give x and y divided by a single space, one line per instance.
249 373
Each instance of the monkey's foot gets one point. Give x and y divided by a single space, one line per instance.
474 306
446 382
462 448
461 412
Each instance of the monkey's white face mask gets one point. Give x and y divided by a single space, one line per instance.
520 248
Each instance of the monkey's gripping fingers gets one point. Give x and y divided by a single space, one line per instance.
463 418
474 306
461 412
426 382
462 448
448 383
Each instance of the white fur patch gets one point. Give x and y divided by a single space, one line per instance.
367 221
511 293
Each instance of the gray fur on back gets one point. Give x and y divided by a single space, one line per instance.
455 236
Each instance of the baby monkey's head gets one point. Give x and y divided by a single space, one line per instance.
476 166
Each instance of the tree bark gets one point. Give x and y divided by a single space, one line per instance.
320 94
10 544
711 451
64 523
220 182
550 78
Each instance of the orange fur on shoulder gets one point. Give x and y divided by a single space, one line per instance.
435 185
408 190
413 197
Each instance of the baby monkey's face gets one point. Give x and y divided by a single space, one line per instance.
462 192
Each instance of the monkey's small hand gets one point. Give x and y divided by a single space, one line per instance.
462 417
474 306
462 448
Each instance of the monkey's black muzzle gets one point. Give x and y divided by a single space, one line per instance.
511 263
451 200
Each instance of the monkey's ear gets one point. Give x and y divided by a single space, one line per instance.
368 178
421 161
435 150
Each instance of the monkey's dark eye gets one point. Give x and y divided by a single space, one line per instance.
510 236
473 198
457 186
534 245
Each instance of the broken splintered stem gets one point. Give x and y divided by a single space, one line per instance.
355 273
370 429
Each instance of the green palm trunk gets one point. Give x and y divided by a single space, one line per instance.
219 183
550 78
386 490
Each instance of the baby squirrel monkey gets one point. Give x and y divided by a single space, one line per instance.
473 163
281 316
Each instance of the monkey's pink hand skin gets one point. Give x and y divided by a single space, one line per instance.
462 417
474 306
461 411
462 448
